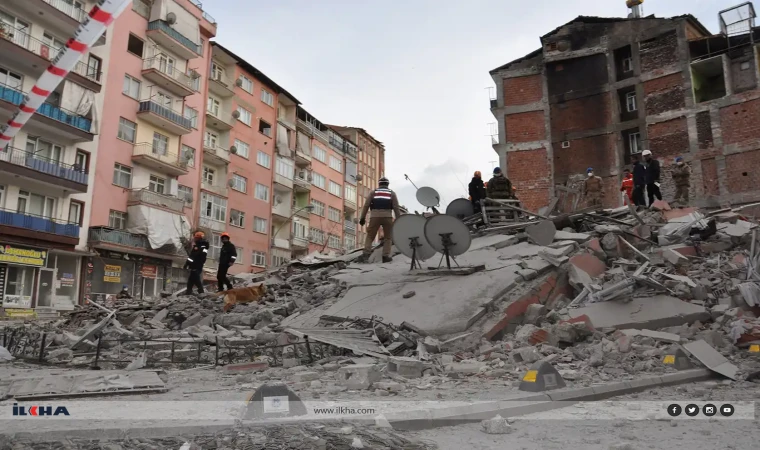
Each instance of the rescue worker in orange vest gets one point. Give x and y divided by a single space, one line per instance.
627 187
384 204
593 189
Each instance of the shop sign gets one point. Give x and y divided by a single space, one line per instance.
149 271
17 301
22 256
67 280
20 313
112 274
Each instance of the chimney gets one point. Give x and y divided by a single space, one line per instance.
637 11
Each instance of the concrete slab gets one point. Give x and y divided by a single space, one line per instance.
589 264
542 233
567 236
642 313
711 358
496 241
521 250
658 335
443 306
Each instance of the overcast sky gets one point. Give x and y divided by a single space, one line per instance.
412 73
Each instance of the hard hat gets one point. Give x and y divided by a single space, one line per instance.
199 234
590 169
646 153
227 235
384 180
477 173
678 158
125 287
497 170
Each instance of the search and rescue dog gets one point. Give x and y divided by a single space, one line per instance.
243 295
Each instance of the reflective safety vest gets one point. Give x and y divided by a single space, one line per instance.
382 198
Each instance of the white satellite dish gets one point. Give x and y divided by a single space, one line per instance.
447 235
460 208
428 196
409 238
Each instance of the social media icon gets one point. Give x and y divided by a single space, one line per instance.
674 410
727 410
709 410
691 410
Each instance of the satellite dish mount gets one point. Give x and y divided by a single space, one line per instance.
447 244
414 243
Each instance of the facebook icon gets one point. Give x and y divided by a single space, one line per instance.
674 410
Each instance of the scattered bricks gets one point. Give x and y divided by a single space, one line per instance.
258 366
542 336
542 376
358 376
589 264
534 313
406 367
596 247
305 376
660 205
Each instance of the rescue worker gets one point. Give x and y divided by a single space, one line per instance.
499 187
384 204
653 177
195 262
477 191
627 187
639 182
593 189
681 177
124 294
227 257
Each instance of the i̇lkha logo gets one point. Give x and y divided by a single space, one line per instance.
36 411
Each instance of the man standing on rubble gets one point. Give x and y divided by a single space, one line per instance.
477 191
653 177
593 189
681 177
383 204
499 186
227 257
639 182
195 262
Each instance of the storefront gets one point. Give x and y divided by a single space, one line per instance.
21 269
108 272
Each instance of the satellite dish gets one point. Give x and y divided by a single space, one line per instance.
447 235
239 82
428 196
409 238
460 208
171 18
235 114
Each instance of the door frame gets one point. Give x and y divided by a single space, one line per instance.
36 302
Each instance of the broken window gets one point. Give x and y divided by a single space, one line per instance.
708 79
632 141
624 62
629 106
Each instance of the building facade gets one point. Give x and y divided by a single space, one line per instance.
600 91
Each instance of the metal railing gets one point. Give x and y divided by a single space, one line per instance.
57 113
216 187
69 9
154 198
314 130
126 239
171 72
164 27
38 223
41 164
166 113
223 79
208 17
222 114
349 225
148 149
302 181
216 150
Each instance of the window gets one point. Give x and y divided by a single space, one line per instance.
164 100
210 139
630 101
44 150
246 84
240 252
267 97
258 259
278 261
316 235
628 65
262 192
135 45
350 193
208 175
265 128
237 218
160 144
36 205
188 155
259 225
318 180
299 230
239 183
213 207
349 240
333 214
117 220
10 79
245 115
336 164
217 71
285 168
76 210
634 140
186 194
319 208
127 130
191 114
335 189
213 106
215 246
52 42
243 149
156 184
82 161
319 153
333 241
93 67
122 176
263 159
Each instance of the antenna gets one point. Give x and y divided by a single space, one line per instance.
460 208
409 238
447 235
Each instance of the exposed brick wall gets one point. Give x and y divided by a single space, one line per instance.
704 130
530 173
664 94
710 183
741 171
595 151
585 113
523 90
662 51
669 139
525 127
740 122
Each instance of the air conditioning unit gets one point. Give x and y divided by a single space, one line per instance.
277 200
171 18
235 114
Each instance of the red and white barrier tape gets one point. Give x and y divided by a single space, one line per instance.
100 17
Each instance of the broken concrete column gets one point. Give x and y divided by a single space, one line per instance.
358 376
406 367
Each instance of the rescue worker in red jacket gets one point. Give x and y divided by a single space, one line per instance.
627 187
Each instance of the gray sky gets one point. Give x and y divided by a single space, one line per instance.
412 73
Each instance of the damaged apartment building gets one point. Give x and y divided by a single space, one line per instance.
600 90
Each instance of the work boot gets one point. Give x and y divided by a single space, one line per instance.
387 259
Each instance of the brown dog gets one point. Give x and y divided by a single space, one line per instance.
243 295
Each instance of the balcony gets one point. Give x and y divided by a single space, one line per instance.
300 211
150 198
312 130
220 119
33 166
215 154
281 243
167 76
164 117
302 183
36 227
165 35
283 181
217 188
221 85
213 225
303 157
159 159
300 242
282 117
349 205
120 240
349 226
49 118
33 56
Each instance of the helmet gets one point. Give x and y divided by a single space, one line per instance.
384 181
646 153
125 287
496 170
678 158
199 234
477 173
227 235
590 169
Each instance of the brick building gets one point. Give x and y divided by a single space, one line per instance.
600 90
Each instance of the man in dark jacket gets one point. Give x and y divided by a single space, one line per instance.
653 177
195 262
477 191
499 187
639 182
227 257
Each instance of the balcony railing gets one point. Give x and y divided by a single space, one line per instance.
126 239
69 9
208 17
349 225
180 77
41 164
216 187
154 198
166 113
43 50
223 79
155 152
302 181
220 152
16 97
176 35
38 223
